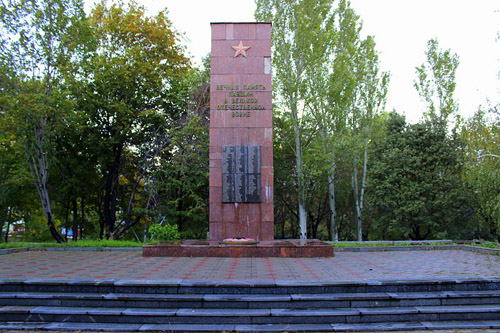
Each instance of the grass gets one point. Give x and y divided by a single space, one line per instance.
382 244
491 245
120 243
81 243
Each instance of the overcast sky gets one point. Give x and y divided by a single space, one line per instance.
401 29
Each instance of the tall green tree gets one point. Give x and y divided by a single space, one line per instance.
134 94
16 186
183 175
298 46
436 82
370 101
481 135
417 192
323 82
40 39
347 92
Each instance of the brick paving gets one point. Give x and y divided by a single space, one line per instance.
344 266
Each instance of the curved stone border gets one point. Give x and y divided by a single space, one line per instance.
477 249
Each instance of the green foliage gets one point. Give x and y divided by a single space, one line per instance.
329 93
164 232
436 82
42 38
183 179
481 135
183 176
302 43
416 190
106 116
490 245
134 93
106 105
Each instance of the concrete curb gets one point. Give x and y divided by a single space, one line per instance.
250 283
476 249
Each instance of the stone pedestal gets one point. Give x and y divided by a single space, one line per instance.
289 248
241 137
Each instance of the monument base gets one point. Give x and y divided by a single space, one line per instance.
288 248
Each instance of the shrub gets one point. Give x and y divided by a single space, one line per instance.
164 232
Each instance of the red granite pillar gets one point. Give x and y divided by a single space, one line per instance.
241 116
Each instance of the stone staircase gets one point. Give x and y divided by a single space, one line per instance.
183 305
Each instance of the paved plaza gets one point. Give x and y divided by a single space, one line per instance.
344 266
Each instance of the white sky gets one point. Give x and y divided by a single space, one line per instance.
401 29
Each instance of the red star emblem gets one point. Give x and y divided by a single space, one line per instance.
240 49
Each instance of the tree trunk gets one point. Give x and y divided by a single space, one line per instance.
109 203
7 232
363 184
111 193
82 222
283 226
359 200
3 218
39 167
75 220
47 209
129 224
334 232
357 209
300 176
8 218
156 147
102 224
331 202
66 222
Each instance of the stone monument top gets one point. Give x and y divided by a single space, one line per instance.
241 156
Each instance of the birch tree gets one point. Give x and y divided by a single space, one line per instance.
346 93
297 26
435 82
371 96
336 101
39 41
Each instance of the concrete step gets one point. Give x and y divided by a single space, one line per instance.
246 287
482 325
249 316
375 305
249 301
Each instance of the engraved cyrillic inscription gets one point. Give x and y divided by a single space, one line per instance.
253 159
253 186
241 159
228 187
240 185
241 174
241 99
228 159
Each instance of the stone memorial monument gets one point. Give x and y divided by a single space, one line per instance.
241 154
241 134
